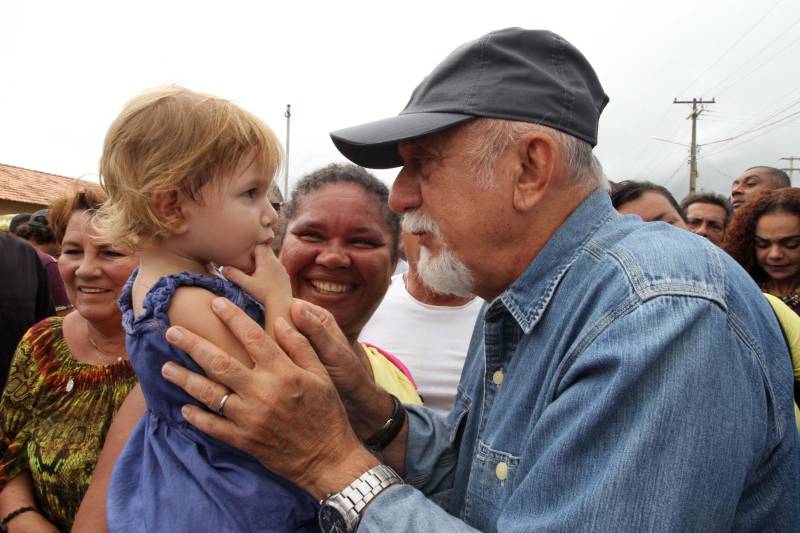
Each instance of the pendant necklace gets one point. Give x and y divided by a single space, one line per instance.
101 351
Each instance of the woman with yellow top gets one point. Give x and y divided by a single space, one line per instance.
340 248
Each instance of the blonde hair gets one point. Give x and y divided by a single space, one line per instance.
172 139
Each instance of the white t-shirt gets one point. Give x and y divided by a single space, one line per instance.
431 340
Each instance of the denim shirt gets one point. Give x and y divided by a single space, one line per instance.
632 379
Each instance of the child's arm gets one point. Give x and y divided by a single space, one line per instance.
269 284
191 308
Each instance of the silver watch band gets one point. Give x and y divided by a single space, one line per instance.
351 501
372 482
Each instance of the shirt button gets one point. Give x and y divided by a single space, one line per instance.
497 377
501 471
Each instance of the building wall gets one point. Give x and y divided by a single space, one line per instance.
10 207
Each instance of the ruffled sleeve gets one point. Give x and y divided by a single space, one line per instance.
18 402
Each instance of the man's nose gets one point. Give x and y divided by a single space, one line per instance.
405 194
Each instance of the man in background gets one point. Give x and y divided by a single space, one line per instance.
755 180
707 214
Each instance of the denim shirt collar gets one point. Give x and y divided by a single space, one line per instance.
528 297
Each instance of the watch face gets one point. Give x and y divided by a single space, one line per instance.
331 520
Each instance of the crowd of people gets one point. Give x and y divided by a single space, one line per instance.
505 341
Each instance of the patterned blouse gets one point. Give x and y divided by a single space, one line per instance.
54 415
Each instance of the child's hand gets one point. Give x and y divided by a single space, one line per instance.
269 284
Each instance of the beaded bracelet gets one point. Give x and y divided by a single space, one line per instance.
13 514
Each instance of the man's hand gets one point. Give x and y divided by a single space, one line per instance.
285 411
368 406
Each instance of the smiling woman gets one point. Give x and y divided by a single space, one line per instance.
68 378
340 248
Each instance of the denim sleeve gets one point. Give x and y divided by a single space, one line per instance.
431 451
430 469
404 508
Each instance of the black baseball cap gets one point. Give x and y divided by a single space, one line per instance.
515 74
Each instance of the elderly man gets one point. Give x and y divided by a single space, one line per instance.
624 375
755 180
707 214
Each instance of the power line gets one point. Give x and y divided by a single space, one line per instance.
657 163
762 62
745 141
773 123
732 46
674 173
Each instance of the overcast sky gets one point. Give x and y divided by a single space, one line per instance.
68 67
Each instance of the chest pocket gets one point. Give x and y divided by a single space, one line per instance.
491 483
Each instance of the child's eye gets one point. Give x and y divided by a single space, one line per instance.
251 193
71 251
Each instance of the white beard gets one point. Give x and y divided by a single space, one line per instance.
444 273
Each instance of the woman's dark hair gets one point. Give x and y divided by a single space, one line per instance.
741 234
18 220
629 191
38 233
343 173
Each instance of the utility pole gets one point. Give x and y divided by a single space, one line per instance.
696 110
791 170
288 116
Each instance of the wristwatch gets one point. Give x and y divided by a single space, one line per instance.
341 512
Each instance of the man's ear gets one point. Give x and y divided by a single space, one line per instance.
537 153
169 207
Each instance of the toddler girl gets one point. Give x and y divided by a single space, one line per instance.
188 178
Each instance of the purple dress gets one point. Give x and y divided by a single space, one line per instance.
172 477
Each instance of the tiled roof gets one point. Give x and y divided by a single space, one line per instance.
30 186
